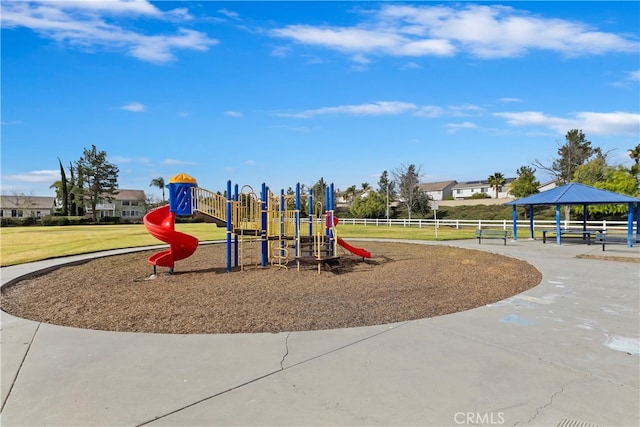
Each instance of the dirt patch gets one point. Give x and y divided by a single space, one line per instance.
400 282
609 258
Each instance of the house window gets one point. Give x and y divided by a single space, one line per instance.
483 189
458 191
125 203
134 203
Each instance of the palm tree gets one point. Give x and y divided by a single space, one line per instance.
158 182
496 181
349 194
634 153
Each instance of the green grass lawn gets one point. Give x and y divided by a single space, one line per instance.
26 244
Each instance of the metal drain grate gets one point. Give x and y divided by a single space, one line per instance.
566 422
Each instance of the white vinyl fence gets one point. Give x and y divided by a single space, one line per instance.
478 224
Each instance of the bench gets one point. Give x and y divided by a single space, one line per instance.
586 234
610 239
493 234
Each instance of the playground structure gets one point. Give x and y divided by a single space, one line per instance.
261 230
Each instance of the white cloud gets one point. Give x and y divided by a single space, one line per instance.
613 123
430 111
175 162
124 160
229 13
484 31
453 127
280 51
510 100
466 110
433 111
633 75
292 128
233 114
411 66
84 25
134 107
360 59
46 176
373 109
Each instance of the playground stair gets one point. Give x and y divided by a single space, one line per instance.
210 206
210 219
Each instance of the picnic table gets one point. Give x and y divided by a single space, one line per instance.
586 234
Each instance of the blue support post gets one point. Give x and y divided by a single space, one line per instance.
558 238
229 225
514 216
311 213
585 214
297 223
531 230
630 226
263 227
282 221
332 237
236 255
326 210
637 222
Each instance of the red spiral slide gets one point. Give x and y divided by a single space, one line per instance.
160 223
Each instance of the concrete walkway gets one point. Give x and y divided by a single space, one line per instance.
563 353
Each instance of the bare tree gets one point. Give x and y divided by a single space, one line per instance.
407 179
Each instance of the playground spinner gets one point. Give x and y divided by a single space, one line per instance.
261 229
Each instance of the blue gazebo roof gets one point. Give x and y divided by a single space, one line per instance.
574 194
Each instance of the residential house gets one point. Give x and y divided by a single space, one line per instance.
21 206
549 185
438 190
464 190
129 205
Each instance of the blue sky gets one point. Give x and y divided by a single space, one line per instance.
287 92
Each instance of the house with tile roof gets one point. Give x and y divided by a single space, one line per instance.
128 205
464 190
24 206
438 190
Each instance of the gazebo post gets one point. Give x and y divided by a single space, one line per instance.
630 226
637 222
531 236
558 238
515 223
